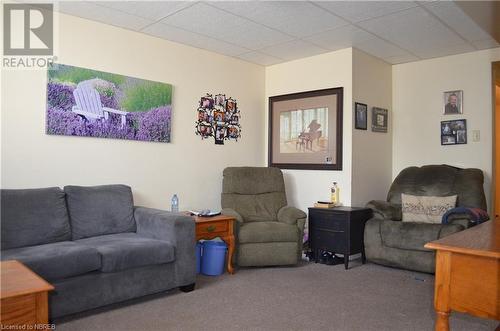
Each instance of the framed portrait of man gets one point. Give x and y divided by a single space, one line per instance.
453 103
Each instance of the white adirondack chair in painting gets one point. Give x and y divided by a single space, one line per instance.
88 104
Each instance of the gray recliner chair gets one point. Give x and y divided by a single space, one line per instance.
267 231
390 242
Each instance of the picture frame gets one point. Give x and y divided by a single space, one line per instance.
85 102
454 132
360 116
305 130
380 119
453 102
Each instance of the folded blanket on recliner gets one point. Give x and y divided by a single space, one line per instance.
477 215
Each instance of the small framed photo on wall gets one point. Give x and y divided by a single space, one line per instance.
454 132
379 119
453 101
360 116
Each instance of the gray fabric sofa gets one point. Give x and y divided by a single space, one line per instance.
267 231
390 242
94 246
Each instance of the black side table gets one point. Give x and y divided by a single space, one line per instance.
339 230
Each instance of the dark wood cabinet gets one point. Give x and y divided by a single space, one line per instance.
338 230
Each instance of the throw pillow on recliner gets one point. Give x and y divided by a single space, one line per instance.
426 209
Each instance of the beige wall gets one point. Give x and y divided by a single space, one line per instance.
193 168
418 106
304 187
187 166
371 151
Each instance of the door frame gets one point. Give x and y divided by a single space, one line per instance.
495 81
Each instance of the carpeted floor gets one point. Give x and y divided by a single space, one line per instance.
308 297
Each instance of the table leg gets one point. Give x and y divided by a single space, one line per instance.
346 261
442 321
442 290
230 243
229 239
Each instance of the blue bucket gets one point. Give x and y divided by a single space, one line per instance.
198 257
214 254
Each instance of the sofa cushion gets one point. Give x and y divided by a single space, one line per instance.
129 250
263 232
56 260
33 217
413 236
98 210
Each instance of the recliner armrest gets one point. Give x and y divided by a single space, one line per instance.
233 213
463 219
385 210
290 215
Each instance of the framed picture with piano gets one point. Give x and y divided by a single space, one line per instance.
305 130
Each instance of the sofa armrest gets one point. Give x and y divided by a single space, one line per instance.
233 213
385 210
292 215
175 228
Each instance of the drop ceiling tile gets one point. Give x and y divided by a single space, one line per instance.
356 11
455 18
296 18
103 14
193 39
412 29
485 44
255 36
293 50
339 38
380 48
210 21
260 58
445 50
204 18
153 10
401 59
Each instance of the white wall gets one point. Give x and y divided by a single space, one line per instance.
187 166
304 187
418 106
371 151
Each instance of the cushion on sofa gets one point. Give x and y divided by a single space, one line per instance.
262 232
99 210
413 236
426 209
129 250
33 217
56 260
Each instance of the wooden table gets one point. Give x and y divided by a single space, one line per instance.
468 273
23 297
338 230
218 226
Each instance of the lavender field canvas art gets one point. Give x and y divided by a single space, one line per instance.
91 103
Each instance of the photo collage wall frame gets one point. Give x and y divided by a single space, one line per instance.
218 117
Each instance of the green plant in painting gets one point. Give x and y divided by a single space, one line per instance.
145 96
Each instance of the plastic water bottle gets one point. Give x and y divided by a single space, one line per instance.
175 204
